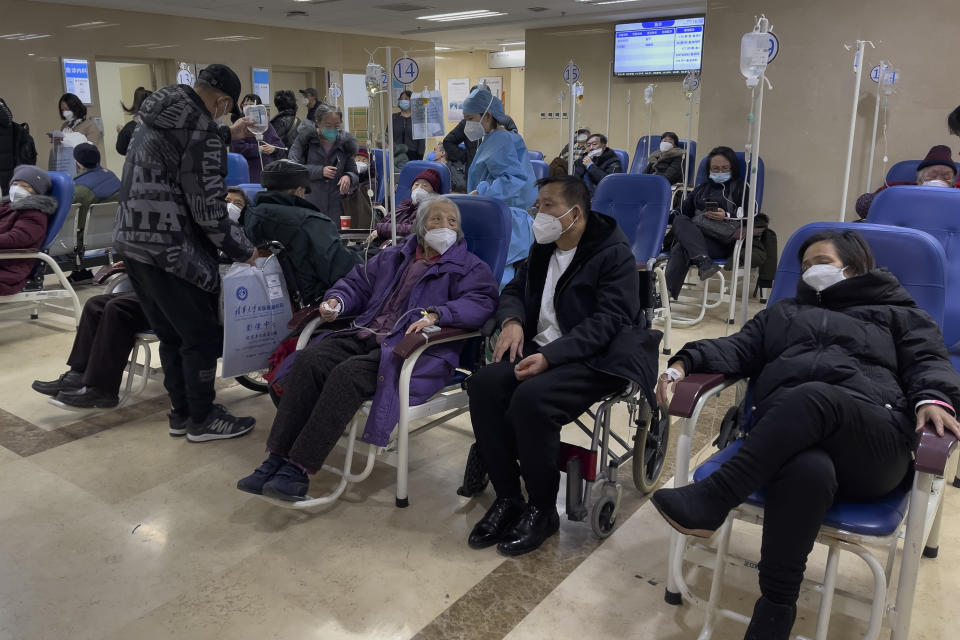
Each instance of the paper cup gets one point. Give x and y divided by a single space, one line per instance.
344 222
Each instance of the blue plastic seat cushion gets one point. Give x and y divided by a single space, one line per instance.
880 517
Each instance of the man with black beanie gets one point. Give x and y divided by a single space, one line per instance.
310 238
171 221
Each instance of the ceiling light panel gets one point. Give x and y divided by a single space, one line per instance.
462 15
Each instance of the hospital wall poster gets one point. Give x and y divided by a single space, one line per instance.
261 84
457 91
76 75
495 83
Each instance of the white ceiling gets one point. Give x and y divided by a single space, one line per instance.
375 17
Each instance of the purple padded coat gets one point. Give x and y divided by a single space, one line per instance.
459 286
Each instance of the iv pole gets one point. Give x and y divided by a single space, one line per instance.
876 120
858 60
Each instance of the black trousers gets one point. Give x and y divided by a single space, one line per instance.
101 348
521 421
186 322
327 384
689 243
810 445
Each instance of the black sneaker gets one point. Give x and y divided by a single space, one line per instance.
289 484
80 276
86 398
707 268
219 425
70 381
254 482
178 424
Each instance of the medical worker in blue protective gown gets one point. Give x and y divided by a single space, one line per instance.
501 169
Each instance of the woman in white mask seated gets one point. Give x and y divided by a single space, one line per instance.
844 373
426 184
667 161
431 279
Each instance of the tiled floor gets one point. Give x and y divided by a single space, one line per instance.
110 529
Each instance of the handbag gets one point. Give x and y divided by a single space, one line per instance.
721 230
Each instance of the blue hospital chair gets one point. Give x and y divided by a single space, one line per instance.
919 262
540 169
62 190
238 171
641 206
906 171
412 169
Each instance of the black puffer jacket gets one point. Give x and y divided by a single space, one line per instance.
172 214
286 123
597 303
864 335
668 164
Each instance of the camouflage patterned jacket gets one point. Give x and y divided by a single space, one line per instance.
172 214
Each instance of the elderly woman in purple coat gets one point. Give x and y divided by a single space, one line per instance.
430 279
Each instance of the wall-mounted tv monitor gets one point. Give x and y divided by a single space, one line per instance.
658 47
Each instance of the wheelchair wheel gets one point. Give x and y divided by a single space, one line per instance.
254 381
650 450
602 517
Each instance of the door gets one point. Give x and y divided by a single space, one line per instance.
116 82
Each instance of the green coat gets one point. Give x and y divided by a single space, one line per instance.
311 239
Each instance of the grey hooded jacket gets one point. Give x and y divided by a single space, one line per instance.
309 151
172 214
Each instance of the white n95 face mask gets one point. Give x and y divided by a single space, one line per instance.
666 146
67 115
18 193
822 276
362 166
595 153
418 194
936 183
233 211
473 130
440 239
547 229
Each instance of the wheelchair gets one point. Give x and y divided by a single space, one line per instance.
593 488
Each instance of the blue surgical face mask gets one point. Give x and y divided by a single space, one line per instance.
329 134
404 105
720 178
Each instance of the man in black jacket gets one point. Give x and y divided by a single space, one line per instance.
171 220
599 162
572 313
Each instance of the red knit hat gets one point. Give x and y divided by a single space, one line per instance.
939 154
432 177
363 152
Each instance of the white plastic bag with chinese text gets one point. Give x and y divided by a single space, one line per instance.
256 309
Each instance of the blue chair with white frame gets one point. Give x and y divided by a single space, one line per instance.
62 191
918 261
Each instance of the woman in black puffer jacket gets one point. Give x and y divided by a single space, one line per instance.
8 147
845 373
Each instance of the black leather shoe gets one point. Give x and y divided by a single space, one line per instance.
70 381
87 398
707 268
697 509
771 621
533 528
501 516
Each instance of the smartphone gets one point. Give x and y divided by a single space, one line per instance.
711 205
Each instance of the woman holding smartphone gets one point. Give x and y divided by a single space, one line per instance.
708 221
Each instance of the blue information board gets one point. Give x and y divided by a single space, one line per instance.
261 84
76 78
